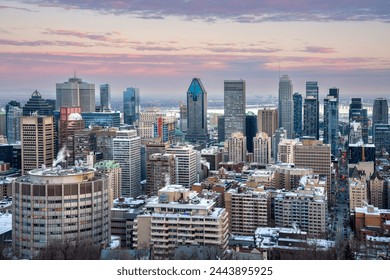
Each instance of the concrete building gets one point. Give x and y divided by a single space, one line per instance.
289 178
161 172
286 105
376 190
305 208
317 156
286 151
213 155
37 142
127 152
370 220
234 107
187 164
179 216
114 172
278 136
236 147
55 205
357 192
248 208
267 120
262 148
76 93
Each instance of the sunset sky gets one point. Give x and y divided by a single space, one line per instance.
159 46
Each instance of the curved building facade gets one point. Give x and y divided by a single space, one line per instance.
55 204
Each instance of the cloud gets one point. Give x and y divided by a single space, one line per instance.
41 43
316 49
245 11
2 7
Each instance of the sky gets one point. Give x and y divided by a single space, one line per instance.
159 46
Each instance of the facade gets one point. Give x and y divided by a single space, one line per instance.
105 97
183 117
127 152
286 151
213 156
357 192
262 148
103 119
197 113
289 178
278 136
361 152
131 105
359 114
251 130
381 135
146 122
267 120
248 209
76 93
179 216
236 147
52 205
286 105
164 129
36 105
311 110
221 129
317 156
161 172
13 113
380 112
305 208
377 191
187 164
114 172
37 133
297 97
234 106
331 119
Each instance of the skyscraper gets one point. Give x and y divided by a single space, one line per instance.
286 105
37 105
234 106
236 146
127 152
251 130
267 120
131 105
380 112
221 129
186 164
13 113
262 148
381 135
105 97
311 111
76 93
183 118
161 172
37 137
359 115
197 113
331 119
297 97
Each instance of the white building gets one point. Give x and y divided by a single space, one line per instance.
187 164
236 147
262 148
286 151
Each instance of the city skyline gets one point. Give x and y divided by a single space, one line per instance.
158 47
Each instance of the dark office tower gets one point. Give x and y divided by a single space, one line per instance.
380 113
76 93
234 107
37 105
221 129
297 115
196 113
105 97
286 105
331 119
311 111
381 135
183 118
131 105
359 115
13 113
251 130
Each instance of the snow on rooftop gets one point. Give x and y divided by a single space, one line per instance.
5 222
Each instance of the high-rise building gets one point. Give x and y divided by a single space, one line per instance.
197 113
251 130
127 152
304 208
236 147
234 106
286 105
164 129
278 136
179 216
297 97
13 113
381 135
114 172
221 129
357 192
131 105
76 93
331 119
70 121
248 209
36 105
105 97
183 117
51 204
37 137
358 114
311 110
286 151
161 172
267 120
380 111
262 148
361 152
377 190
104 119
317 156
187 164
